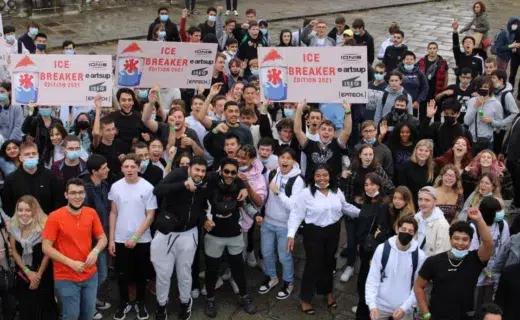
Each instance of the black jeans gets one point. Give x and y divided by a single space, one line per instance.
228 5
132 264
320 246
351 225
515 64
362 312
236 264
188 6
8 305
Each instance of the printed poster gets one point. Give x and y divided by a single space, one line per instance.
58 79
168 64
317 74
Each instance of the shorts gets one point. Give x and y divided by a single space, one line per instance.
214 246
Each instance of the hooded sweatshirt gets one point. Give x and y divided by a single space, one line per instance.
505 39
278 207
435 229
395 290
415 82
509 106
382 111
491 108
256 180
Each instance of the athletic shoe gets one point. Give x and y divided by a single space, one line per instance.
122 310
102 305
354 309
246 302
227 12
347 274
268 284
97 316
220 283
140 309
203 291
227 275
195 293
236 14
251 259
234 285
211 308
286 291
185 310
161 313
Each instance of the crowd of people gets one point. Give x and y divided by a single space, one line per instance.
177 182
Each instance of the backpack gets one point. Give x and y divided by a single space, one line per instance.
500 229
494 45
386 254
288 186
385 96
503 102
20 47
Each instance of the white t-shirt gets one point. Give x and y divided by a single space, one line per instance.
132 201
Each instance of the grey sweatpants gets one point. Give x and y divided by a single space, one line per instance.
175 249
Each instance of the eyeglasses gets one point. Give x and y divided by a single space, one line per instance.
377 72
76 193
231 172
369 131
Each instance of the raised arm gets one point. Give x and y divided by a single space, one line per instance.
202 116
347 126
96 129
219 28
298 131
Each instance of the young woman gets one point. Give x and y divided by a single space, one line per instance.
6 262
487 161
53 150
35 285
479 25
37 127
450 196
321 206
374 228
488 185
402 142
236 92
401 205
83 129
419 171
159 32
459 155
9 157
285 38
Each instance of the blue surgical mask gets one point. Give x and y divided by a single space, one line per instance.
41 46
33 31
254 72
144 164
243 168
69 52
3 96
497 85
288 112
30 163
212 18
162 34
357 33
142 93
379 76
499 216
154 116
10 38
459 254
408 67
45 112
371 141
72 155
318 187
264 31
163 17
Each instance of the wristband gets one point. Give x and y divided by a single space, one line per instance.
427 316
135 238
215 131
26 270
172 128
169 161
348 112
95 250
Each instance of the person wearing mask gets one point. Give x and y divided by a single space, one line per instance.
336 33
321 206
443 133
36 127
449 191
402 143
397 115
479 25
389 287
387 101
224 30
208 26
172 33
150 172
362 37
40 42
158 33
469 57
483 115
82 128
321 39
453 274
463 91
435 68
247 50
72 166
459 155
505 45
414 81
503 91
96 197
13 45
376 89
382 153
27 39
68 47
132 211
395 53
68 238
183 193
264 29
11 116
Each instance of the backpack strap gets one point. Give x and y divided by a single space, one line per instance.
272 173
415 263
500 228
289 185
503 102
20 47
385 96
384 259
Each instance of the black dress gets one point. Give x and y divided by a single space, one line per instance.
37 304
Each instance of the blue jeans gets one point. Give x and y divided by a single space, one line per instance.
272 237
102 267
78 299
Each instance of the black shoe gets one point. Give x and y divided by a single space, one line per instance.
246 302
122 310
211 308
344 253
160 312
185 312
140 309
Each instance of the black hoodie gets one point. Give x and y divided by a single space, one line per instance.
172 33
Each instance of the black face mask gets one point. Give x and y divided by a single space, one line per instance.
75 208
449 120
483 92
405 238
399 112
82 125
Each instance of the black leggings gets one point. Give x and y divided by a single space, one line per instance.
132 264
8 305
236 263
228 5
362 312
187 4
515 64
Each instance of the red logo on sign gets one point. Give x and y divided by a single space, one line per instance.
26 81
274 76
131 65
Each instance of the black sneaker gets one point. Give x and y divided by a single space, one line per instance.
122 310
246 302
287 288
267 285
140 309
185 312
160 312
211 308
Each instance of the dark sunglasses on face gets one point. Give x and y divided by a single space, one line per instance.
231 172
379 72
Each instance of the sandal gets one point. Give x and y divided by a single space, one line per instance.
333 305
309 312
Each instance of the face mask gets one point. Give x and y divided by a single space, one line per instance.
33 31
243 168
212 18
254 72
408 67
82 125
499 216
371 141
10 38
154 116
45 112
312 34
69 52
264 31
399 112
459 254
144 164
514 27
497 85
3 96
357 33
41 46
264 161
320 188
374 195
405 238
26 223
163 17
162 34
288 112
483 92
142 94
30 163
72 155
379 77
449 120
464 85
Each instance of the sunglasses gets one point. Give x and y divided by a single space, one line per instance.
231 172
379 72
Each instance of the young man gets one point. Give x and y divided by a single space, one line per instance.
132 212
376 89
394 268
336 33
127 119
387 101
503 92
489 311
219 74
96 197
321 39
394 54
490 65
193 35
224 31
150 172
247 50
454 273
436 70
414 81
27 39
398 114
265 153
72 166
382 153
469 57
462 92
40 41
208 26
231 146
362 37
508 290
67 239
172 33
184 198
13 46
32 179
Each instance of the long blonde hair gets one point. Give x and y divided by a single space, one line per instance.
431 165
39 217
496 189
457 187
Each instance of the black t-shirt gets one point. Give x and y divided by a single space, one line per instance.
163 131
401 154
331 154
454 284
70 172
112 153
129 128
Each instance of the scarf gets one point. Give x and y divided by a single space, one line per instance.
432 70
27 244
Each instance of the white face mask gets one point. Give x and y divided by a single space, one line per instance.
514 27
374 195
320 188
26 223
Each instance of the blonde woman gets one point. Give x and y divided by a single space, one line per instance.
35 285
488 185
449 192
419 171
401 205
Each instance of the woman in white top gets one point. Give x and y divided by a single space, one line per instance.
321 206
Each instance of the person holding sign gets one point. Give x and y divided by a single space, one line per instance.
321 39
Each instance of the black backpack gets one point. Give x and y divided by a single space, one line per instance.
503 102
288 186
386 254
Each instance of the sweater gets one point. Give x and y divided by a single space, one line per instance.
248 47
491 108
415 83
434 232
382 111
393 56
395 291
473 61
368 41
479 23
509 109
11 120
504 39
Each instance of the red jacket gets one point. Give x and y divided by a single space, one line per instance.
441 77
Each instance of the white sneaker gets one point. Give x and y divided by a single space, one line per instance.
347 274
227 12
97 316
268 284
203 291
219 283
251 259
354 309
235 13
195 293
227 275
234 285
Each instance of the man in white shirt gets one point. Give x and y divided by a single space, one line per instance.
132 212
389 287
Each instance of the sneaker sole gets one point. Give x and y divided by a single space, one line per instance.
283 298
264 292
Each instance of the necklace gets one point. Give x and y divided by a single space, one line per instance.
455 265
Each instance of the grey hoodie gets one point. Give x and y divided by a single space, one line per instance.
382 111
492 108
508 255
510 106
